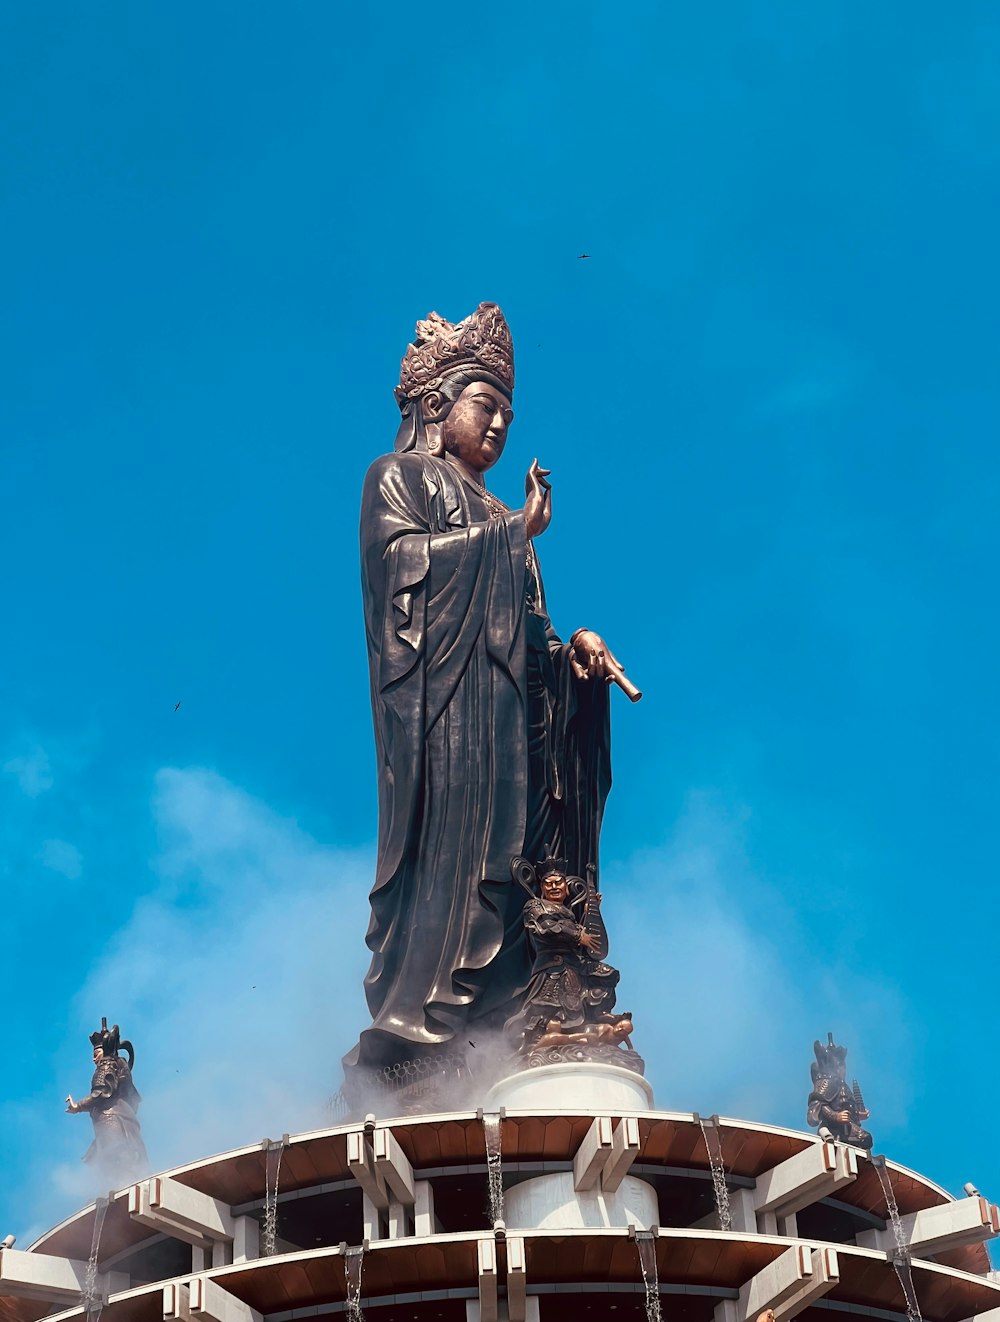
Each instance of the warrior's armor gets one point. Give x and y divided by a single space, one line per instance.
831 1097
570 986
113 1105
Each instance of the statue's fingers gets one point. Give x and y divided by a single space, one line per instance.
576 668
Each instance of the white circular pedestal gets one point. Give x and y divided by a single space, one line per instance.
587 1087
549 1202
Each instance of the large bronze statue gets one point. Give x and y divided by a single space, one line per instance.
832 1104
117 1150
492 735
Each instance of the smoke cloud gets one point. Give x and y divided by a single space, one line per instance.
729 990
239 978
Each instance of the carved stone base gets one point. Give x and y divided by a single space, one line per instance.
411 1087
579 1053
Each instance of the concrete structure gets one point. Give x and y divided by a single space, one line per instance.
394 1210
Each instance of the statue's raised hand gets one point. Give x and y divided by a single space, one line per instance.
538 505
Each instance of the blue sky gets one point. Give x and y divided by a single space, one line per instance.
769 401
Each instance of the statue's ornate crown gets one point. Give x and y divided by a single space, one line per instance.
829 1055
111 1042
550 865
482 340
107 1039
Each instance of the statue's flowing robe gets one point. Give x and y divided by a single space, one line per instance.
487 748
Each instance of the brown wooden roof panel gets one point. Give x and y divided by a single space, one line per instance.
274 1285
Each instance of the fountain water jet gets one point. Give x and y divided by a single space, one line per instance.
901 1258
646 1243
713 1146
92 1301
272 1171
355 1259
494 1173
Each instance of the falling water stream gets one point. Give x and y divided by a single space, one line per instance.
646 1244
272 1171
355 1258
91 1299
713 1145
901 1258
494 1173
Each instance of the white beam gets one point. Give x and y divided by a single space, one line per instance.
810 1175
246 1239
209 1302
591 1155
472 1310
742 1210
624 1150
776 1283
936 1229
201 1300
206 1256
44 1276
424 1221
487 1262
825 1275
371 1219
183 1213
967 1221
398 1218
516 1279
175 1302
392 1167
361 1164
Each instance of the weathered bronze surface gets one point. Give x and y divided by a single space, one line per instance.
117 1150
492 735
832 1104
567 1009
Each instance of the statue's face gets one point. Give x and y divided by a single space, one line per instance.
554 888
475 429
98 1054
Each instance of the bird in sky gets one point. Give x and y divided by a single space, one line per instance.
176 705
583 256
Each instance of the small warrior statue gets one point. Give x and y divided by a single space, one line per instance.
117 1148
566 1014
832 1105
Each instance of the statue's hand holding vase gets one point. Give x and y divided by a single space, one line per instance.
591 658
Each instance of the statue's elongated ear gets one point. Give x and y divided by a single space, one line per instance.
431 405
